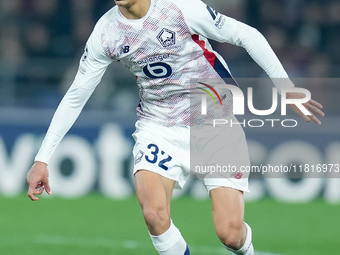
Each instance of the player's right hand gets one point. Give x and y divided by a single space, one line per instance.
37 179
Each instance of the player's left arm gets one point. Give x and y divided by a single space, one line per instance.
211 24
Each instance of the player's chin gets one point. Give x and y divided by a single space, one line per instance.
125 3
120 2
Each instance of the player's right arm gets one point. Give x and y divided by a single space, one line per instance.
93 65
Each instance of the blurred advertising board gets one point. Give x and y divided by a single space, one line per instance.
297 164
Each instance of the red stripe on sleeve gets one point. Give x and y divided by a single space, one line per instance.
210 56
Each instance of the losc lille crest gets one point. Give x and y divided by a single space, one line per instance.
167 38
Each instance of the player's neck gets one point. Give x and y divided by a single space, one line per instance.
135 9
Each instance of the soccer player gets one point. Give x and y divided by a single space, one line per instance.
164 44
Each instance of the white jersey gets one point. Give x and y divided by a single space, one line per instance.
165 50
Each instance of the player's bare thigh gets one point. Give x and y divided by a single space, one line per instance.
154 194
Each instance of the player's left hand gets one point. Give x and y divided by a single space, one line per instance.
312 106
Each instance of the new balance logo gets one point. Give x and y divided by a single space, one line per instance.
126 49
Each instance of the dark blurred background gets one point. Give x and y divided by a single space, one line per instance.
41 42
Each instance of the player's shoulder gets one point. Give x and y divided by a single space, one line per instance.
108 16
188 3
107 20
95 40
185 2
190 7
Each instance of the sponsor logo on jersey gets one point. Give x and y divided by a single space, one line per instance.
152 59
157 70
167 37
86 53
82 70
139 157
217 17
220 22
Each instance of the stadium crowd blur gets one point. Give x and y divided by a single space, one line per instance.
41 42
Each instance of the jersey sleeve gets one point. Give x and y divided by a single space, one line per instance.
94 61
203 20
93 65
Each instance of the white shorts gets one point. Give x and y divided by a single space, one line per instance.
180 152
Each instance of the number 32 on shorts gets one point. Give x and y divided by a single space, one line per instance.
156 156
